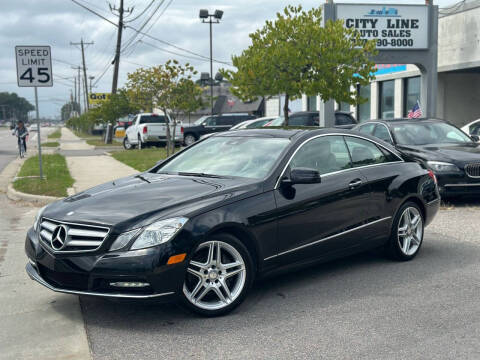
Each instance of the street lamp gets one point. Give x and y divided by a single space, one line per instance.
211 19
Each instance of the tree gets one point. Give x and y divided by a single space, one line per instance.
295 55
69 109
169 87
14 106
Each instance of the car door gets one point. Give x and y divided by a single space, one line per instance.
315 220
380 168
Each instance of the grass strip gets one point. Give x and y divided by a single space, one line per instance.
57 178
140 160
51 144
56 134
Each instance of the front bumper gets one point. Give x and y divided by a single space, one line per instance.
94 274
457 184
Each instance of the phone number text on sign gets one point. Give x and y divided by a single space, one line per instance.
393 27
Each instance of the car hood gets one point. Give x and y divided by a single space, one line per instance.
132 201
462 153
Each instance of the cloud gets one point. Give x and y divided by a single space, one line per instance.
59 22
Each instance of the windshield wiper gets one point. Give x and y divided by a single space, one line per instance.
141 177
199 175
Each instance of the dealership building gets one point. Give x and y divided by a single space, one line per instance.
397 87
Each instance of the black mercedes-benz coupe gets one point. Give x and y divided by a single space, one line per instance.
451 154
202 225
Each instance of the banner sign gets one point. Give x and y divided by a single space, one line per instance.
394 27
98 98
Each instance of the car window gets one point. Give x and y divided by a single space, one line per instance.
226 121
152 119
423 133
249 157
343 119
212 121
299 120
325 154
257 124
366 129
475 129
382 133
364 152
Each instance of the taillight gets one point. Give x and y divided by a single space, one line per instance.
432 175
181 130
144 129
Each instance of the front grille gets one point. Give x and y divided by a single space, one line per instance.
473 170
69 281
79 237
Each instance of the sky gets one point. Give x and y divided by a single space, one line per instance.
59 22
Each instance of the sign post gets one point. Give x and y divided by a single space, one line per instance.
34 69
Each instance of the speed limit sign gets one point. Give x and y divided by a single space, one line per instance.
34 66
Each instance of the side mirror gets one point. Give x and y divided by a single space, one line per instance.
475 138
304 176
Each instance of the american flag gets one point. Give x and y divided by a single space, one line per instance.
416 112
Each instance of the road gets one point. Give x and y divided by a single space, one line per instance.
363 307
8 144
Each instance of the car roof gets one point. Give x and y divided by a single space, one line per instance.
403 121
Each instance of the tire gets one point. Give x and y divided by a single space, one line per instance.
189 139
210 287
127 145
406 247
141 144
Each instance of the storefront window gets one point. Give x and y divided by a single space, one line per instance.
343 106
386 99
411 91
312 103
363 110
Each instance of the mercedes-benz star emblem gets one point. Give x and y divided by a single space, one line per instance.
59 237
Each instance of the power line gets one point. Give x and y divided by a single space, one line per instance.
152 37
132 38
94 12
143 12
171 52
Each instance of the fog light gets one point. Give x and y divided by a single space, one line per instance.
129 284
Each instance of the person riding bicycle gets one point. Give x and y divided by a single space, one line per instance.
21 132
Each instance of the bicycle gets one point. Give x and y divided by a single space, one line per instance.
21 146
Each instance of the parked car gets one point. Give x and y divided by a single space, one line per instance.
253 124
452 155
202 225
99 129
126 121
212 124
33 127
149 129
472 128
343 119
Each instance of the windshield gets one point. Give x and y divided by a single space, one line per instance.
277 122
428 133
250 157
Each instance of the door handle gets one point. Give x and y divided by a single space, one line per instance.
355 184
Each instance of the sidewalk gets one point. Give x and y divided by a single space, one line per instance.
89 171
36 323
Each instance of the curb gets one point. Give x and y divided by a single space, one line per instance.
15 195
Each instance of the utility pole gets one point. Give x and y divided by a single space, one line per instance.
91 79
75 88
116 61
79 82
82 47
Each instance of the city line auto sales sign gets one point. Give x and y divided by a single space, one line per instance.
398 27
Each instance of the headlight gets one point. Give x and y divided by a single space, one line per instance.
159 232
123 239
439 167
37 217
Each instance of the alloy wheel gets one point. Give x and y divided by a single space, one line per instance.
410 231
126 144
215 276
189 140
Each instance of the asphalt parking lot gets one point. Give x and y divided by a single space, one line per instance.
362 307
